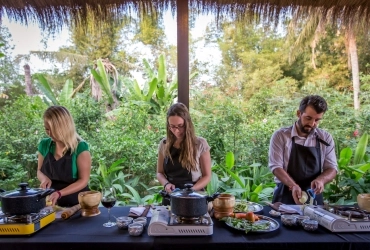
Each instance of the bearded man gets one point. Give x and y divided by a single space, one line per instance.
302 156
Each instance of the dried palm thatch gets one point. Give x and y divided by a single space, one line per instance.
51 14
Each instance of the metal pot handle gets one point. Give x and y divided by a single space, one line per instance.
163 193
45 193
214 196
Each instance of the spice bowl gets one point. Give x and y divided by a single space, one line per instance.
300 219
135 229
310 225
289 220
123 222
141 220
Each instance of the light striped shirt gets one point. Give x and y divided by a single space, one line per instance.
281 144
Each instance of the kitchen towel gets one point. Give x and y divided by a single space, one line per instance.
140 211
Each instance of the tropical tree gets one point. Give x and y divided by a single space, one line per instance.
316 21
251 57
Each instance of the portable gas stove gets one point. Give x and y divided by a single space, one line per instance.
25 224
164 223
340 218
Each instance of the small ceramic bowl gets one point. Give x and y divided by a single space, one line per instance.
289 220
310 225
135 229
301 218
123 222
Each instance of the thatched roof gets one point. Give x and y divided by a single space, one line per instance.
53 13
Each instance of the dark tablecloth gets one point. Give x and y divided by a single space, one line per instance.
88 233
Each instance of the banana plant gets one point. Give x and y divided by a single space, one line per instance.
157 93
240 183
45 88
100 76
64 97
360 163
353 175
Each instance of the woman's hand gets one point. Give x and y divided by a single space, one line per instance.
169 187
45 181
53 198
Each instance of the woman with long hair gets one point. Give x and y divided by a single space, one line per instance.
64 160
183 157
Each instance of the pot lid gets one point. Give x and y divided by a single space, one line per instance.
22 191
188 192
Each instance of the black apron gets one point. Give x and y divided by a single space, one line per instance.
175 173
304 166
60 174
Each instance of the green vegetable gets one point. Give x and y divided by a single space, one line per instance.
243 206
247 225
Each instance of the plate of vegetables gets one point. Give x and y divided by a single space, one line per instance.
250 222
242 206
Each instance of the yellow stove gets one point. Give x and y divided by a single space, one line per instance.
25 224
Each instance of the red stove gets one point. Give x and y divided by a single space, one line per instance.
339 218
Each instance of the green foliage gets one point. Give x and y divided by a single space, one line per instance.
253 183
21 128
353 177
11 174
214 184
44 86
101 77
65 96
158 93
2 54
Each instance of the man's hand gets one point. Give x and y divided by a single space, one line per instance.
318 186
297 194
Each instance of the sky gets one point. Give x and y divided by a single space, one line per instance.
28 38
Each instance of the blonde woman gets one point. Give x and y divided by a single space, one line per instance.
64 160
182 156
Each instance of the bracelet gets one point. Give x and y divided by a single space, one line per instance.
164 186
59 193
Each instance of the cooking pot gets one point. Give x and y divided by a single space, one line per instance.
24 200
189 203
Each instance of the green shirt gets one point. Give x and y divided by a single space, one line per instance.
44 148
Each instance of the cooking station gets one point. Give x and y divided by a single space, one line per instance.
340 218
25 224
165 223
80 232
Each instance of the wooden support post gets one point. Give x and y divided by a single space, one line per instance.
183 51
